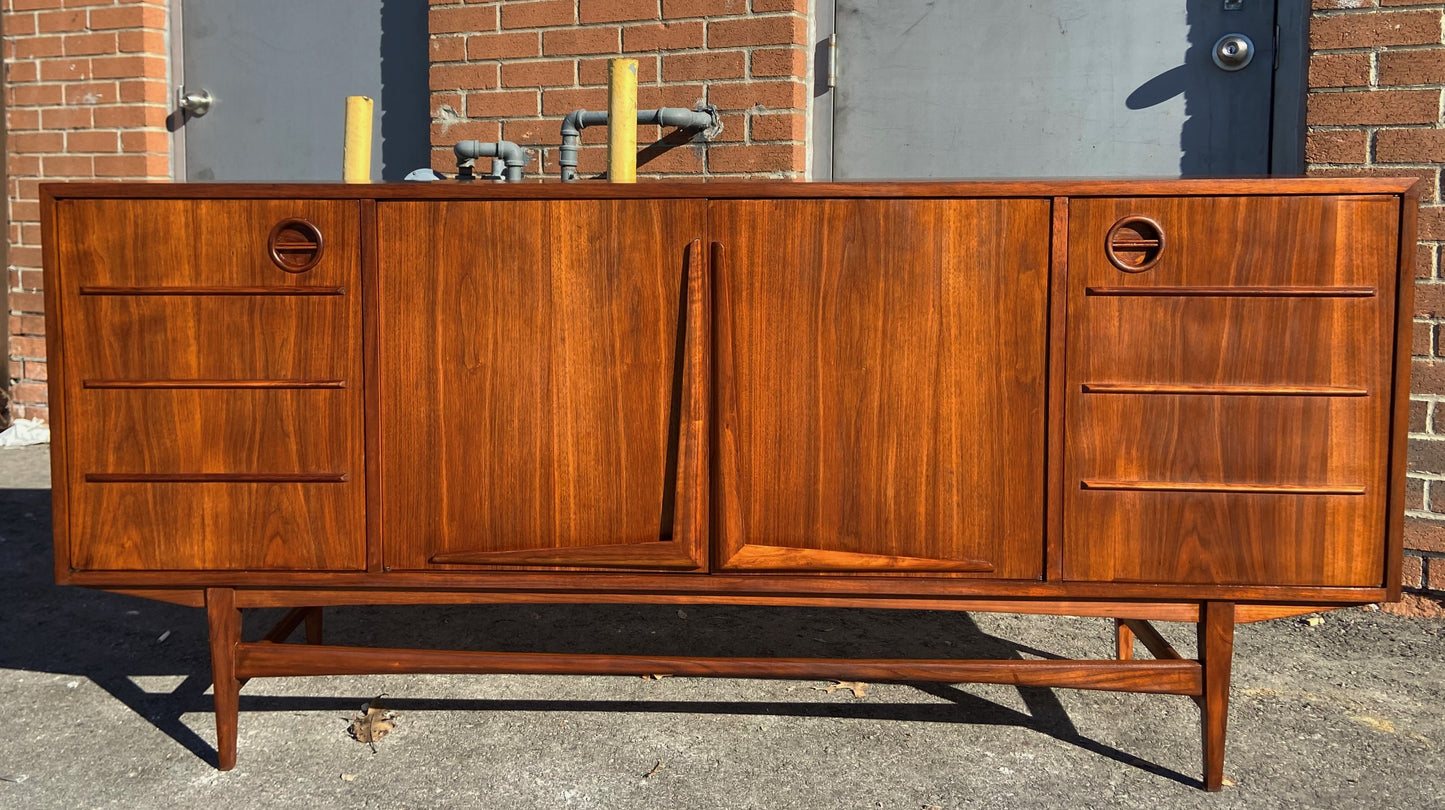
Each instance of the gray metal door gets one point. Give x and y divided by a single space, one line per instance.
279 72
982 88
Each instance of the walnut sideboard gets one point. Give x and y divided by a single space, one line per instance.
1143 400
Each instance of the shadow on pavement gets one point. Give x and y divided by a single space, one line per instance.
113 640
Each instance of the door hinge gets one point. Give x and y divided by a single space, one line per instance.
832 60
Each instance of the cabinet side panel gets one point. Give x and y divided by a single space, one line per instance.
885 400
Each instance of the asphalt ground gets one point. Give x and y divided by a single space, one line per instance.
104 702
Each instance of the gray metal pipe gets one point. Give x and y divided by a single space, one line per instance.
513 157
703 118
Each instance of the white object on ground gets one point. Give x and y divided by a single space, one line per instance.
25 432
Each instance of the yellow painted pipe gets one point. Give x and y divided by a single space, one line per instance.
356 154
622 120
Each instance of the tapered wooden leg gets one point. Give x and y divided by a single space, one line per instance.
1123 641
224 620
1216 653
313 626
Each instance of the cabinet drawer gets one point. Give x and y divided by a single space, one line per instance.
300 339
1306 245
213 246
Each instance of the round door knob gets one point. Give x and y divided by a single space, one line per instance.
1233 52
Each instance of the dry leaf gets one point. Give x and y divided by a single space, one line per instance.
372 723
858 688
1315 621
348 777
655 677
655 769
1226 781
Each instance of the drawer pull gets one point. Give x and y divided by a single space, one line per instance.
1134 244
295 245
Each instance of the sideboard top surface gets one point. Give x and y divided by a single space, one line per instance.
485 190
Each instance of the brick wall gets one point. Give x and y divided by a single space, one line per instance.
86 97
511 70
1376 73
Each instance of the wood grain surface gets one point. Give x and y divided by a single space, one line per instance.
534 378
881 385
1217 437
209 431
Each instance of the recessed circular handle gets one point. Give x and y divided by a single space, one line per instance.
1134 244
295 245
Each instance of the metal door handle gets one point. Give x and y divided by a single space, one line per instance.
1233 52
196 103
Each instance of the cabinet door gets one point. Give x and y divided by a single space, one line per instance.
543 383
1228 405
212 409
880 385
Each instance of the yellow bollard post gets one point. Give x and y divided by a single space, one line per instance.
622 120
356 153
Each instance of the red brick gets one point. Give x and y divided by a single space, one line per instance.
92 93
65 70
1374 30
778 95
1378 107
16 72
780 127
800 6
19 24
1410 146
1413 573
89 44
1424 535
55 21
595 11
1430 299
554 73
156 141
772 158
561 102
1422 342
567 41
37 47
1391 2
30 392
531 131
462 20
1336 146
448 49
68 166
124 67
463 77
679 159
670 95
779 30
130 116
131 16
23 411
151 42
675 9
36 142
594 71
539 15
502 103
1424 261
503 46
704 66
29 348
155 92
36 371
137 166
1340 70
663 36
1432 223
92 141
26 302
1412 67
1419 411
780 62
